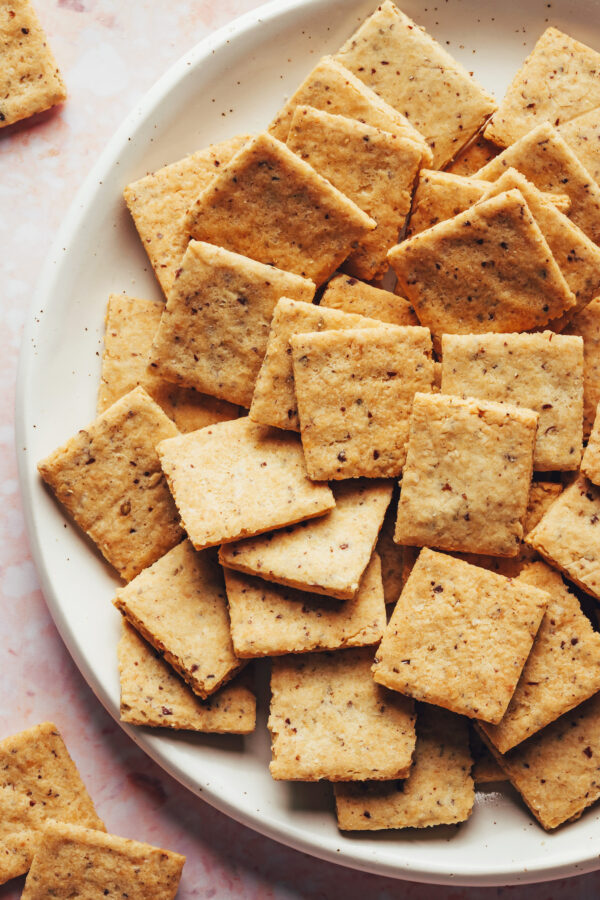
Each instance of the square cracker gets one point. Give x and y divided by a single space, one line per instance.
158 204
109 479
329 720
437 791
152 694
568 536
546 160
459 636
391 554
587 324
179 605
130 327
487 269
467 475
29 78
556 770
38 781
355 391
590 464
440 196
79 862
270 205
562 670
270 620
236 479
582 134
327 555
542 372
414 74
350 295
334 89
214 329
478 153
374 168
558 81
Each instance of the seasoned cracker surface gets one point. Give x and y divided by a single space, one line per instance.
329 720
590 464
152 694
270 619
467 475
236 479
587 324
582 134
179 605
270 205
440 196
459 636
109 479
346 293
213 332
354 391
437 791
473 157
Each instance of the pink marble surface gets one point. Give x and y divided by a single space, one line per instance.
111 52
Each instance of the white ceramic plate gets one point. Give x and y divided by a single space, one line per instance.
232 82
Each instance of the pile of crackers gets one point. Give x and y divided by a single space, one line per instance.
242 474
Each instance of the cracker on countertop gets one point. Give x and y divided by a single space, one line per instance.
437 791
79 862
440 196
329 720
391 554
327 555
30 81
590 464
179 605
478 153
467 475
274 400
558 81
350 295
582 134
237 479
414 74
562 670
542 372
587 324
214 329
374 168
334 89
355 391
270 205
270 619
38 781
459 636
152 694
130 328
109 479
158 203
487 269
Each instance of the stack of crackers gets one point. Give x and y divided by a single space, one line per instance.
242 474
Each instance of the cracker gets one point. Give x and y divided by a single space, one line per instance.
487 269
38 781
459 636
79 862
374 168
467 475
352 296
414 74
556 770
236 479
179 605
485 768
542 372
478 153
582 134
558 81
440 196
546 160
354 391
563 668
334 89
438 790
391 555
568 536
109 479
130 327
159 201
270 205
270 620
329 720
327 555
590 464
587 324
30 81
214 329
153 695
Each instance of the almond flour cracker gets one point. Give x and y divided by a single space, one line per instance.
590 464
350 295
440 196
587 324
